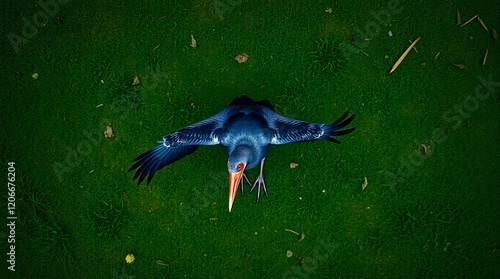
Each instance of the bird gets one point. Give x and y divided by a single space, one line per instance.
246 129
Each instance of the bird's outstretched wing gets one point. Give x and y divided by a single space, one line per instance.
176 146
158 157
289 130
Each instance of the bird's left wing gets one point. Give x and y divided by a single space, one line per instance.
287 130
177 145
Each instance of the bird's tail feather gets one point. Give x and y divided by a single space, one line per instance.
158 157
333 129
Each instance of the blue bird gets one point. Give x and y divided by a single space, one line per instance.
245 129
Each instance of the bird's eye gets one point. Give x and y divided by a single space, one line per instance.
239 167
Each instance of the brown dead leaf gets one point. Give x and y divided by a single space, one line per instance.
160 262
136 80
426 148
242 58
194 44
460 66
293 165
328 10
482 24
108 133
301 237
364 184
494 35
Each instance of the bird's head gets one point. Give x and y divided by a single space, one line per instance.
236 165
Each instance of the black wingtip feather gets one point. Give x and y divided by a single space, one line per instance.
156 158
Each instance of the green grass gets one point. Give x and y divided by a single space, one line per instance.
80 213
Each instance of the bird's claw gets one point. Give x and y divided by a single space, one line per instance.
260 181
242 183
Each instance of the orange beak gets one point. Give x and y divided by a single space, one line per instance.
234 182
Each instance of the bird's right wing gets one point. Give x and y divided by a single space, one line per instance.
289 130
177 145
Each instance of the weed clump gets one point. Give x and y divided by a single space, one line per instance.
108 220
42 224
109 217
327 55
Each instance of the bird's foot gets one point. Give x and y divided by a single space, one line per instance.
242 182
260 181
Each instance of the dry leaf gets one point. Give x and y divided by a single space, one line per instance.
328 10
494 35
468 21
160 262
482 24
136 80
193 42
289 253
365 183
242 58
293 165
108 133
301 237
460 66
426 148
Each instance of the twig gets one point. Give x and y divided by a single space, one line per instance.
459 19
414 48
467 22
437 54
292 231
404 55
485 56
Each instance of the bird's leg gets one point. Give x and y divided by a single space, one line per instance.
242 182
260 180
